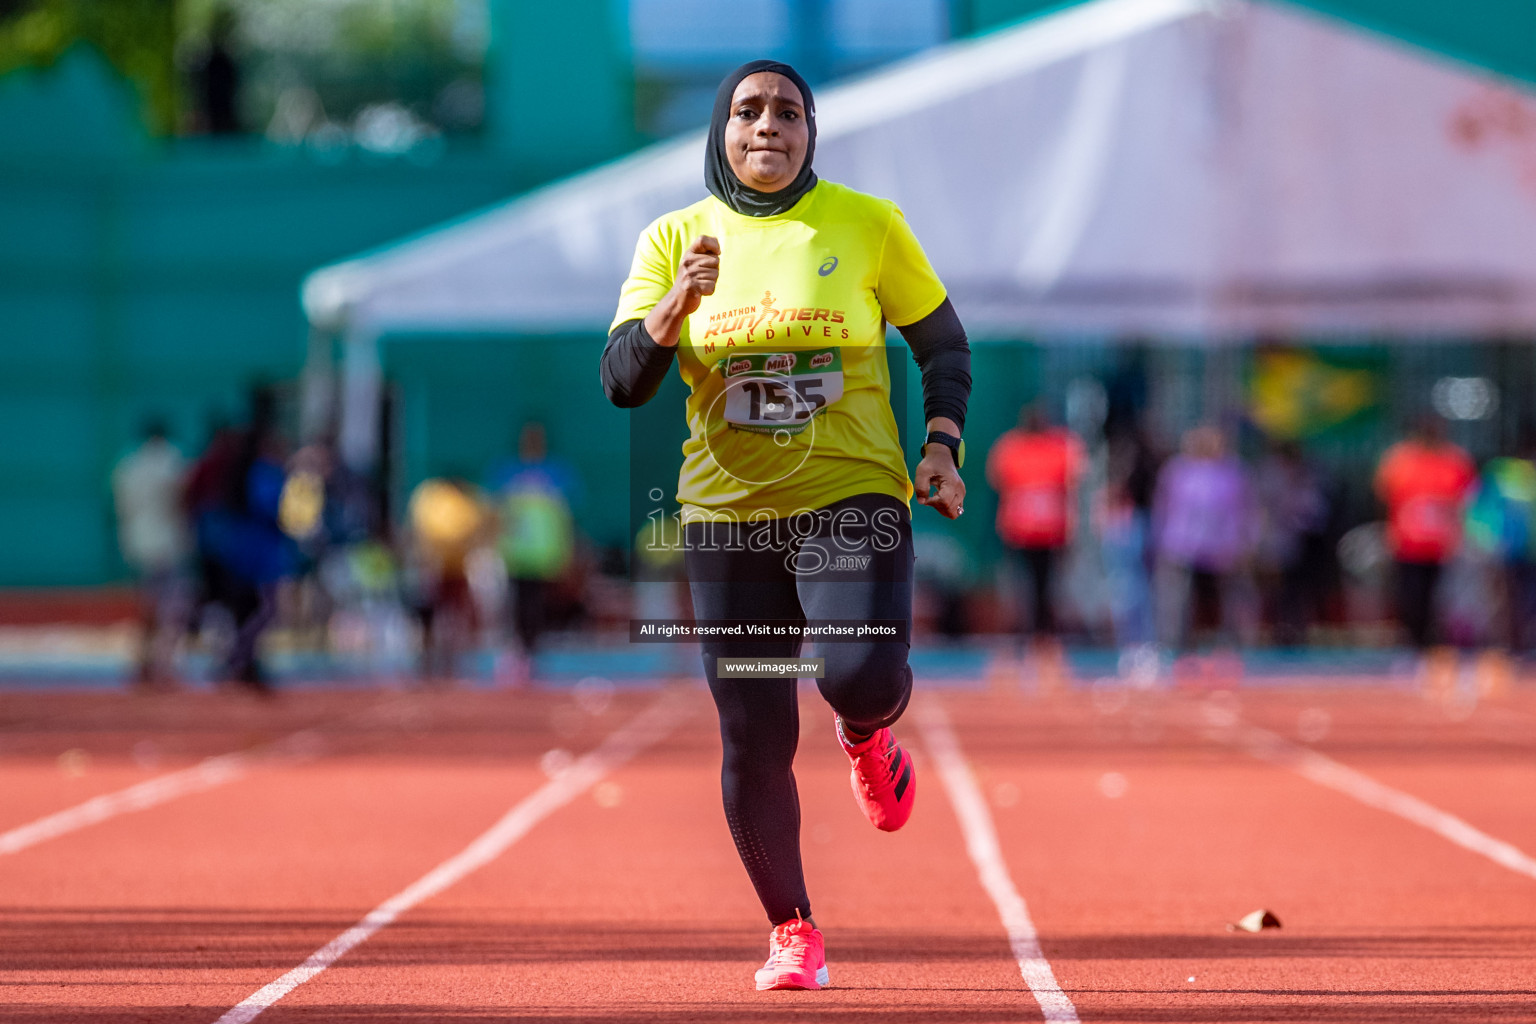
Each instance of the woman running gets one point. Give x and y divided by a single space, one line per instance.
772 296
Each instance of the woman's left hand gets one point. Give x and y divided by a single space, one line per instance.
937 482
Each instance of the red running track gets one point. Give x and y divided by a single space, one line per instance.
1133 831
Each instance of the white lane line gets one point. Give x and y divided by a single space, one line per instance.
981 843
1224 726
647 728
209 773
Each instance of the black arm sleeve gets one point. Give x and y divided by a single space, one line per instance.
633 366
939 346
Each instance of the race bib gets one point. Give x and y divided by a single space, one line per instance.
769 392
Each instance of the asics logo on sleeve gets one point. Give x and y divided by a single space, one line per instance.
828 265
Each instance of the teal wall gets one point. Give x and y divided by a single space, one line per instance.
968 17
559 84
161 277
1496 34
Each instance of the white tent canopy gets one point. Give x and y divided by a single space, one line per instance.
1169 168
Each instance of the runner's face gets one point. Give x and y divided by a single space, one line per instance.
766 136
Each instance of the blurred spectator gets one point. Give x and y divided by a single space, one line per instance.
325 509
1423 480
1201 528
235 493
202 490
448 520
1123 518
1502 521
535 493
1294 553
151 531
216 77
1035 470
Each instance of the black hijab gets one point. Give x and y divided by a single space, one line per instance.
718 176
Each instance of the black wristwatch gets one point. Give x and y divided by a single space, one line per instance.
955 445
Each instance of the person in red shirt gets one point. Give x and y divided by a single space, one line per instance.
1035 470
1424 481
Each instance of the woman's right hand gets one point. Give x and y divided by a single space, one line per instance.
696 277
698 272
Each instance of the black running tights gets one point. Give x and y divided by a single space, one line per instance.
836 569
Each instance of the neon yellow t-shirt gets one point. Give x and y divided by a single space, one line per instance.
790 407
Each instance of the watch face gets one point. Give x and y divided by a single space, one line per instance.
960 455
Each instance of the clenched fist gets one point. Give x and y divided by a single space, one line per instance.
698 273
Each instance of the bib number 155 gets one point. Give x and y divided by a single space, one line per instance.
778 391
770 401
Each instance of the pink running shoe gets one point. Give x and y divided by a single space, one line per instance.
797 958
884 779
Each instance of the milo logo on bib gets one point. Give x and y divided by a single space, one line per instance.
769 392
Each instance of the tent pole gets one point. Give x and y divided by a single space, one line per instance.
361 385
